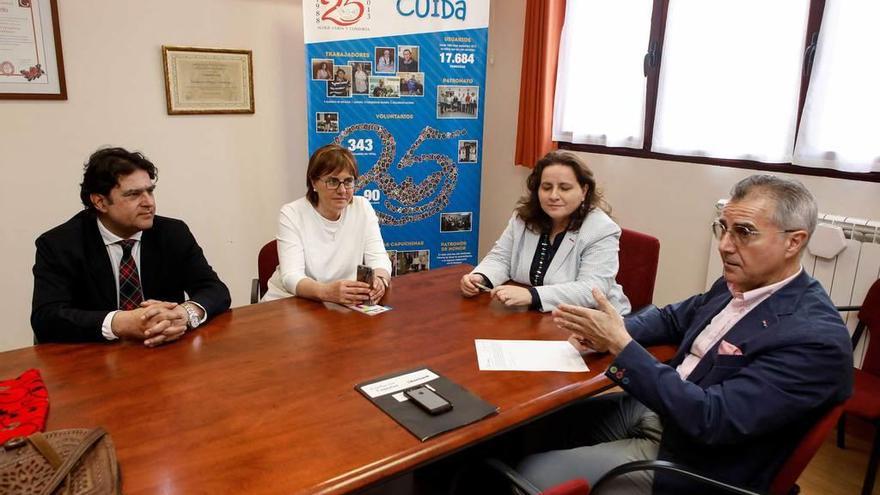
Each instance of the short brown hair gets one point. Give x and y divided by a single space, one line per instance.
326 160
529 206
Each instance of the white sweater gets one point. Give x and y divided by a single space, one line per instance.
310 246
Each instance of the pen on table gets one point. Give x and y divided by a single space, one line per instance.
482 287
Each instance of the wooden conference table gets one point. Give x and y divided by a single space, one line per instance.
262 399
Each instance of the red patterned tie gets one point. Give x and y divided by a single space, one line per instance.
130 294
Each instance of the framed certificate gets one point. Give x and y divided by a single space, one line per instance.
31 64
208 80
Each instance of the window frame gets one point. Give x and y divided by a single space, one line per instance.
652 81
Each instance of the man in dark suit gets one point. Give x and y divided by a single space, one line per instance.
116 270
761 356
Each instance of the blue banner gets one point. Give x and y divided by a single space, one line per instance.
402 84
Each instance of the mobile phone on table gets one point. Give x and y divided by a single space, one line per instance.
365 274
428 400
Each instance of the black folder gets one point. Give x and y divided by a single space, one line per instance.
466 407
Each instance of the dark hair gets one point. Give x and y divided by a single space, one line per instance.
104 168
529 206
326 160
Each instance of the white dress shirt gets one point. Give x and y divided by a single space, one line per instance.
114 250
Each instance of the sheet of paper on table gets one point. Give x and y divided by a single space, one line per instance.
528 355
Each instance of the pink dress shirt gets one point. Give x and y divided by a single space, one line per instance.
736 309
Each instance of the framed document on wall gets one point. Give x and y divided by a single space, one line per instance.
31 64
208 80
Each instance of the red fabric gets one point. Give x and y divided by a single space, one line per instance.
267 262
24 405
543 30
806 449
870 316
865 402
130 293
572 487
639 255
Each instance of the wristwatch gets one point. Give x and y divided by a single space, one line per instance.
192 315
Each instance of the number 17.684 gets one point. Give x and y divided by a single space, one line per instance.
456 58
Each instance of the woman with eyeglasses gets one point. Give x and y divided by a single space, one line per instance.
324 236
559 244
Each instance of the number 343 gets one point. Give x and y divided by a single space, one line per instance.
360 144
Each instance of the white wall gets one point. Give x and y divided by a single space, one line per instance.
227 175
502 182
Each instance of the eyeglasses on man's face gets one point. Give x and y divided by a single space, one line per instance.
741 235
334 183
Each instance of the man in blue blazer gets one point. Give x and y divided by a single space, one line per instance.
116 270
762 355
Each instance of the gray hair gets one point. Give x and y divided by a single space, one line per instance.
796 207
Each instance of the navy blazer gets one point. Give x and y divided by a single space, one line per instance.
738 418
74 287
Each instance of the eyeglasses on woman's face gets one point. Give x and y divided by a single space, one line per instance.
334 183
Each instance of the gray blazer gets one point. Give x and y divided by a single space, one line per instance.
586 258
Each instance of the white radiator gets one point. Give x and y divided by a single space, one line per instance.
846 276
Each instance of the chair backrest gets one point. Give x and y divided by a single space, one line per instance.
806 449
869 316
639 255
267 262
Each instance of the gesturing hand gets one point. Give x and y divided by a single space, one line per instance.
601 329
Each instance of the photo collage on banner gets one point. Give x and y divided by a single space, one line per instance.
401 83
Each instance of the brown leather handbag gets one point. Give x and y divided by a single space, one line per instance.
74 462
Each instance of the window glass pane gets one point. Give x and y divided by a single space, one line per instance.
840 127
600 87
730 78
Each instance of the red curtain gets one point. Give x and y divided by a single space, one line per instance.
534 133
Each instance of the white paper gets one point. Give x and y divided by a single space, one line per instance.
528 355
398 383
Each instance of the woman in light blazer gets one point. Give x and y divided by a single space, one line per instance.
560 243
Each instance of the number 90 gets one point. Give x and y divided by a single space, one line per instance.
372 195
